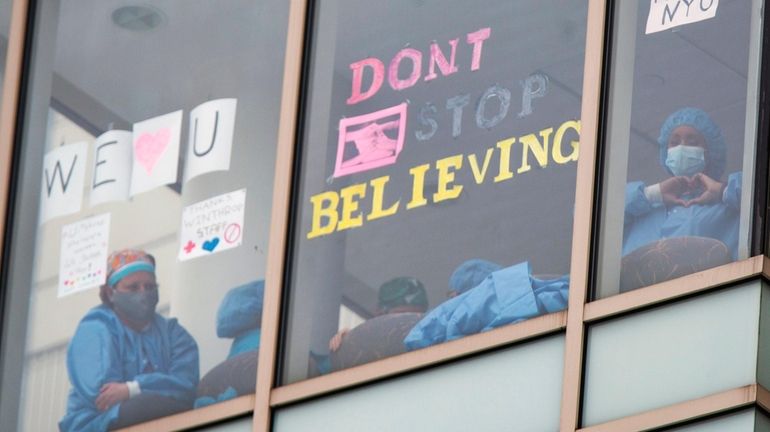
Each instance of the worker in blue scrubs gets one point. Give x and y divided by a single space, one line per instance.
469 274
399 295
126 363
694 200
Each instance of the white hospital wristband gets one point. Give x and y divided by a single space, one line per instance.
653 195
133 388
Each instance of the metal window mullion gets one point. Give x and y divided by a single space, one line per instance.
279 218
584 207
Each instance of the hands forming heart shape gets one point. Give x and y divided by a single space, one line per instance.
674 188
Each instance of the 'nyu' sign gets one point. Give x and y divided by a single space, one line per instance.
666 14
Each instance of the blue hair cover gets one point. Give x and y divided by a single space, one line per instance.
716 152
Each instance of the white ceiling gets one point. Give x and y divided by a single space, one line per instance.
205 49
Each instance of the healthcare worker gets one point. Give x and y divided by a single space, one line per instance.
501 296
399 295
126 363
694 200
469 274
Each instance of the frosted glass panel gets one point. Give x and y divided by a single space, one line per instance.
240 425
763 358
739 422
671 354
763 422
515 389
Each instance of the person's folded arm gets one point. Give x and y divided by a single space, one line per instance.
182 377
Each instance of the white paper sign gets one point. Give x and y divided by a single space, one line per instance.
212 226
666 14
83 254
210 138
112 167
64 175
155 152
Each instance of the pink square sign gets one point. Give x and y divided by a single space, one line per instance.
371 140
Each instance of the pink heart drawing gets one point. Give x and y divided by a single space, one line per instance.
149 147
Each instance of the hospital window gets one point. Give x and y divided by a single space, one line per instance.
149 139
680 153
434 187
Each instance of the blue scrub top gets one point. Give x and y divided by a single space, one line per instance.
646 222
163 359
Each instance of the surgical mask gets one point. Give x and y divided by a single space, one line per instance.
137 306
685 160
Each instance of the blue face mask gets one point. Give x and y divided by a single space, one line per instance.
685 160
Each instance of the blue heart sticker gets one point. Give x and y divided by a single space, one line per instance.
210 245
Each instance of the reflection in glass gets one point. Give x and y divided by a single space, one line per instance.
679 150
436 184
152 138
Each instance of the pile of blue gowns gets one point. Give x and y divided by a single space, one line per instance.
506 296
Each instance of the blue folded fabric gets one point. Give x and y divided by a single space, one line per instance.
506 296
241 309
228 394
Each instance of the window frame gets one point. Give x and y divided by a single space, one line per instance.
300 15
572 321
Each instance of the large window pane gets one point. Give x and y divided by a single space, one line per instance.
518 388
674 353
438 161
679 143
5 23
748 420
148 128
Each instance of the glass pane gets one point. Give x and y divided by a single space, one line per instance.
5 24
763 422
679 142
518 388
241 425
432 134
743 421
149 138
671 354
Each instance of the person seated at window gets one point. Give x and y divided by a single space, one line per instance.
501 296
693 200
469 274
399 295
126 363
239 317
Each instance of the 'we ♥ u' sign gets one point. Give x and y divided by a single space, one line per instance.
156 152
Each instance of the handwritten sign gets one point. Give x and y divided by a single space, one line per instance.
83 254
374 139
666 14
156 152
64 174
112 167
212 226
211 137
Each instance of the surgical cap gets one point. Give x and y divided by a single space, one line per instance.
698 119
470 273
241 309
128 261
402 291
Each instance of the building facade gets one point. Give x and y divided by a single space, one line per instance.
374 216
